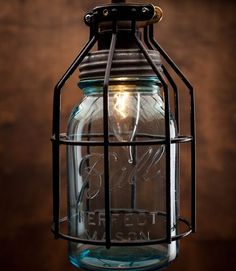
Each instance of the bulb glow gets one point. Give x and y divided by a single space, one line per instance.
121 104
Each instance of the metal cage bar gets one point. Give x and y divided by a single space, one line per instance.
106 136
160 141
167 136
187 232
192 122
56 131
150 46
174 87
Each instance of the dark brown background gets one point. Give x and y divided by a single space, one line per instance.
38 41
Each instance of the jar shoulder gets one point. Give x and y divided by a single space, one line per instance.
92 106
125 111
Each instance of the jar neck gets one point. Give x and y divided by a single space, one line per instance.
148 85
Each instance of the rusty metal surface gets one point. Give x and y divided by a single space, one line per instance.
39 39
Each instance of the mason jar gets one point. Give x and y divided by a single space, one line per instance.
137 173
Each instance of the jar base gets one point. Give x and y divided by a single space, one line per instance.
121 258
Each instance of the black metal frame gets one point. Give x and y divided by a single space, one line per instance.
60 139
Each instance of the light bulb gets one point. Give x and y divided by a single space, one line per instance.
124 112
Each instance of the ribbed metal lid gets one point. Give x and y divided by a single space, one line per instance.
126 62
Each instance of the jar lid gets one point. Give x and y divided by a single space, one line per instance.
126 63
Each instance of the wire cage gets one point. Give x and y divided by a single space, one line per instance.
137 16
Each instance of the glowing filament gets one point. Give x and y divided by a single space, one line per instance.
121 104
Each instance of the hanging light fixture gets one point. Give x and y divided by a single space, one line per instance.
123 147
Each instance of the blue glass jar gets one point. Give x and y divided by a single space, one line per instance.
137 174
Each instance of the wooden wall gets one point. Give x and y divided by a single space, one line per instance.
38 40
